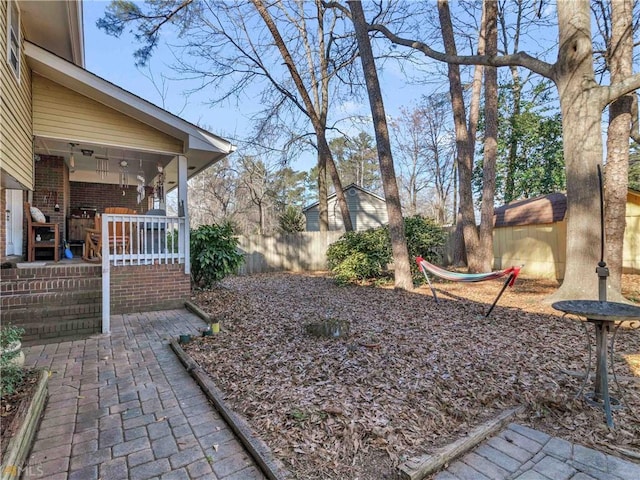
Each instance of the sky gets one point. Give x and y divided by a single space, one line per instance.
112 59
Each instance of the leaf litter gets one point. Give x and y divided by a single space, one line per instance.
333 408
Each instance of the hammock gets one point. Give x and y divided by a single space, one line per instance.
425 266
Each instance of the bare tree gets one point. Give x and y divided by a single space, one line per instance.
224 41
424 155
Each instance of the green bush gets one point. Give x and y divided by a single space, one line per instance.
214 254
359 256
425 239
10 374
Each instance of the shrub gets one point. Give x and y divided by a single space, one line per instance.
358 256
214 254
10 374
291 220
424 238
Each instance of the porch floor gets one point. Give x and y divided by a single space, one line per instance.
122 406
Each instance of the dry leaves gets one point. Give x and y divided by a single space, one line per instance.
335 408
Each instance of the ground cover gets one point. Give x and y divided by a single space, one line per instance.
411 376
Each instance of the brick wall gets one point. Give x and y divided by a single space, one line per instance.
49 190
102 195
146 288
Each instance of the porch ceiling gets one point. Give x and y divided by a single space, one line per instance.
85 164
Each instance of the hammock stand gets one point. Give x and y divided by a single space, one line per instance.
511 273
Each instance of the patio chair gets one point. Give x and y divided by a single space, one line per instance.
119 234
35 232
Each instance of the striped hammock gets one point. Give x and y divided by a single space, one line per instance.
511 272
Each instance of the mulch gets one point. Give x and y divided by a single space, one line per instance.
345 407
13 407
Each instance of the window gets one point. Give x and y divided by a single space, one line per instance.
13 38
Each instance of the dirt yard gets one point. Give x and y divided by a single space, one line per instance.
411 375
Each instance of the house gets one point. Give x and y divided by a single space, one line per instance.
533 232
73 144
367 210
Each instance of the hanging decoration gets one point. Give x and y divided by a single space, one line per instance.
158 191
72 159
141 183
124 175
102 167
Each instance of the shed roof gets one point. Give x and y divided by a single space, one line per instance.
531 211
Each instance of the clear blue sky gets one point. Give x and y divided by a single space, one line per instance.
112 59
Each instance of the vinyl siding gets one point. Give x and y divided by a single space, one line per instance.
59 112
631 245
366 211
16 149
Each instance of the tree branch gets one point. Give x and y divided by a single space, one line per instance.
617 90
521 59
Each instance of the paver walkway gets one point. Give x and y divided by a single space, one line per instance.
122 406
520 453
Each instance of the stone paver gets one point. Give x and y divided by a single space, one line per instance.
520 453
122 407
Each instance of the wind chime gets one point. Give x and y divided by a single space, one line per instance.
141 183
158 189
102 167
124 176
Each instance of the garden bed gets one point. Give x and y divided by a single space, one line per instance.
335 408
20 415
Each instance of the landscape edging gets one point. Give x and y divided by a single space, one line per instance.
419 467
260 452
20 443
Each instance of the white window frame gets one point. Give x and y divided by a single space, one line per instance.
14 40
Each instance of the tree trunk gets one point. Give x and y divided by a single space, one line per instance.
490 139
323 210
402 271
617 170
463 144
325 152
581 105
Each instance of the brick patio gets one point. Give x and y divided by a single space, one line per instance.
121 406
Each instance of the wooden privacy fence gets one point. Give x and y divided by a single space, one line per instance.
303 251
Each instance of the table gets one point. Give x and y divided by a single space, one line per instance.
603 315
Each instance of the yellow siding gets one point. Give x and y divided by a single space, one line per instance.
16 148
540 248
62 113
631 249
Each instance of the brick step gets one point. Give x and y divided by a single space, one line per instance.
40 285
51 313
39 333
55 298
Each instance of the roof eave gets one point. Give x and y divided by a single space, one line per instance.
86 83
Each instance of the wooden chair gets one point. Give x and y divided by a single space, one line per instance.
32 234
119 235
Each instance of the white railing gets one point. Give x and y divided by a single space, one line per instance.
143 239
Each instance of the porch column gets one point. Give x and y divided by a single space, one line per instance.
183 210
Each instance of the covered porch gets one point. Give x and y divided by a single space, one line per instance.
99 151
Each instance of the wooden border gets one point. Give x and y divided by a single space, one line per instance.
20 444
270 466
193 308
419 467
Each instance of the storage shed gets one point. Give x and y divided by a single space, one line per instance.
366 209
533 232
